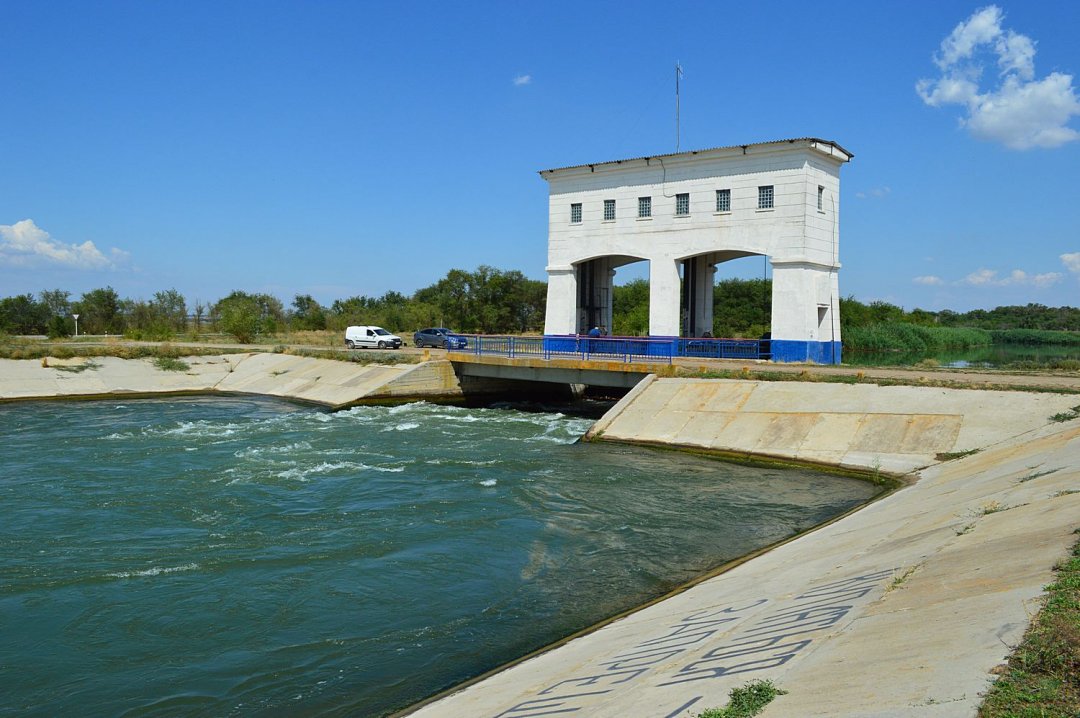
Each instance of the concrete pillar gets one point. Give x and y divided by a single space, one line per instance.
609 285
561 315
595 278
805 321
697 275
664 298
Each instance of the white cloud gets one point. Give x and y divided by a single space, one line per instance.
1021 112
980 277
1016 278
24 244
929 280
522 80
1072 262
875 193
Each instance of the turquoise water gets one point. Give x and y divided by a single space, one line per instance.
252 557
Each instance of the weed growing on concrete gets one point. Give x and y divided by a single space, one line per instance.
898 581
1036 475
967 528
1069 415
166 363
1065 492
1043 675
746 701
992 507
950 455
78 368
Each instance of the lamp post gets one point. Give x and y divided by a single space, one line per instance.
76 325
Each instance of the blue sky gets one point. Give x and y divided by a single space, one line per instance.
342 148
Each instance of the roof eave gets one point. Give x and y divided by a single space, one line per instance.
811 142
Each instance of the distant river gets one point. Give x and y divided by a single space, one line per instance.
251 557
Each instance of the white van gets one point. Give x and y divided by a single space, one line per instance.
373 337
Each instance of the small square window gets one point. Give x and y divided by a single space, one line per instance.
609 209
644 206
682 205
575 213
723 200
820 197
765 197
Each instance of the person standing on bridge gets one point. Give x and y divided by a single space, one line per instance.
590 344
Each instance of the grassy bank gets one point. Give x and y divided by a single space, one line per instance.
1043 675
1035 337
165 352
912 338
40 350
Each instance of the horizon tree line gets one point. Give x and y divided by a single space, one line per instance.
486 300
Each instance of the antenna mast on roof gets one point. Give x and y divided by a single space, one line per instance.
678 74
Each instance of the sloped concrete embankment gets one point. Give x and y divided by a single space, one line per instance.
903 608
321 381
895 429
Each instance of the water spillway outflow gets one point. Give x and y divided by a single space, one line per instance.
243 556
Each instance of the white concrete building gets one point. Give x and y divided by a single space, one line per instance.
685 213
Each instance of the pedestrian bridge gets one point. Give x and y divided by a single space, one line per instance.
594 361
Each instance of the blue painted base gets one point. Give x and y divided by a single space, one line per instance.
786 350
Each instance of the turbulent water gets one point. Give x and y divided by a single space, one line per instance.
251 557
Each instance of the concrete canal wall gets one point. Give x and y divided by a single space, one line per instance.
895 429
321 381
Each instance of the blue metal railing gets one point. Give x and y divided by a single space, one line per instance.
708 348
621 349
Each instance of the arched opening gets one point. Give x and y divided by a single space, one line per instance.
721 296
598 295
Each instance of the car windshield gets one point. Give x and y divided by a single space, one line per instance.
382 332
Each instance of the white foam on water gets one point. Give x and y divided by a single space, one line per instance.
155 571
254 451
403 426
489 482
301 473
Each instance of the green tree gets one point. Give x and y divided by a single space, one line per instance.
23 314
170 310
630 308
307 313
100 312
239 314
57 301
742 308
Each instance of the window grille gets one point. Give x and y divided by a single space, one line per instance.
609 209
575 213
644 206
765 197
682 204
723 200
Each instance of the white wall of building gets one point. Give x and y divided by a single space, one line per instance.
801 240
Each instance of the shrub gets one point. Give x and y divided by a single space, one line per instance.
167 363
